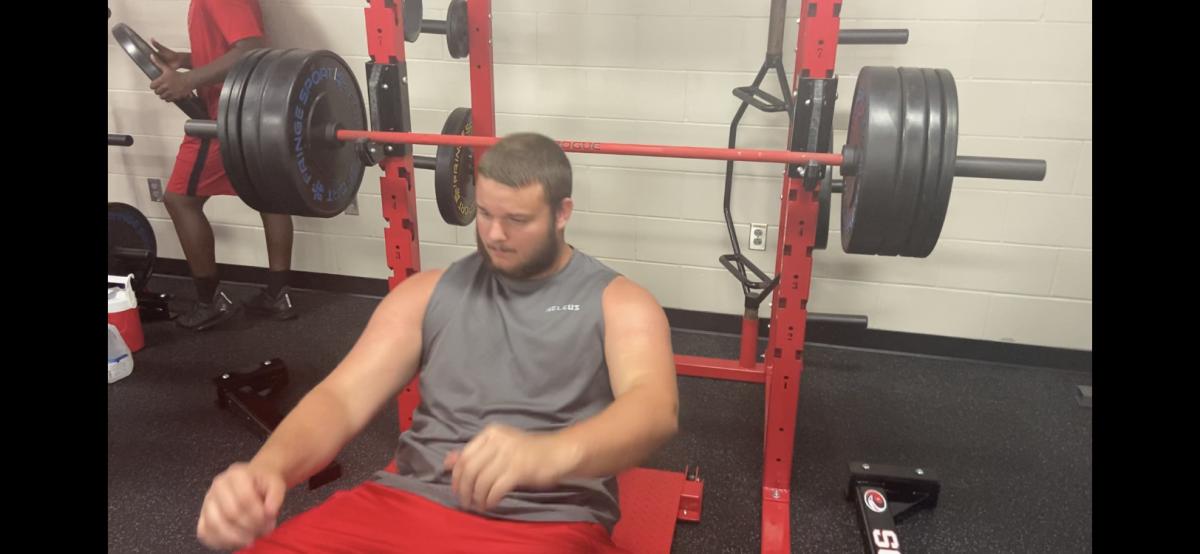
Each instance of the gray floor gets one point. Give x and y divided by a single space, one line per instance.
1011 445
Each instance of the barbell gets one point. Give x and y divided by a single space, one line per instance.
291 128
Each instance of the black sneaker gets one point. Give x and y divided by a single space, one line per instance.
276 307
206 315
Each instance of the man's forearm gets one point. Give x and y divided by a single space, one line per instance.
620 437
214 73
307 439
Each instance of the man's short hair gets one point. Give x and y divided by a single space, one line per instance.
521 159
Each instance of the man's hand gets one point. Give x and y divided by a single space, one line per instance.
241 505
171 58
502 458
172 85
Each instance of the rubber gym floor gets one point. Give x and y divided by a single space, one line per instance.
1011 444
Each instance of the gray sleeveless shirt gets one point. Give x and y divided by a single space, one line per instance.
529 354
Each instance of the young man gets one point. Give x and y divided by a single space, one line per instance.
220 32
543 374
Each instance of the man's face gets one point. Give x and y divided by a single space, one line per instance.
516 231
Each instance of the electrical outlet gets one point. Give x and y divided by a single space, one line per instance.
156 190
758 236
352 209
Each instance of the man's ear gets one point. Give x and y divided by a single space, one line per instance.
565 209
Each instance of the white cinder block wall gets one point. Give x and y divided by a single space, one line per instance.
1014 261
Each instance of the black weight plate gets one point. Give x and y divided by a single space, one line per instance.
412 20
910 163
874 133
233 119
271 129
128 228
137 49
824 196
454 175
193 106
949 154
229 123
458 36
322 94
251 116
140 51
933 166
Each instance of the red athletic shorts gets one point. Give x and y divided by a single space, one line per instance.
375 518
199 172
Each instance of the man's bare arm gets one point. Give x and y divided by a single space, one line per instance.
383 360
641 367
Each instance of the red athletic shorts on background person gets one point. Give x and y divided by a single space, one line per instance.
197 175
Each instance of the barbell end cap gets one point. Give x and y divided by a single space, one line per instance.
203 128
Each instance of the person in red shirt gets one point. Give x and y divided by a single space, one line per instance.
220 33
